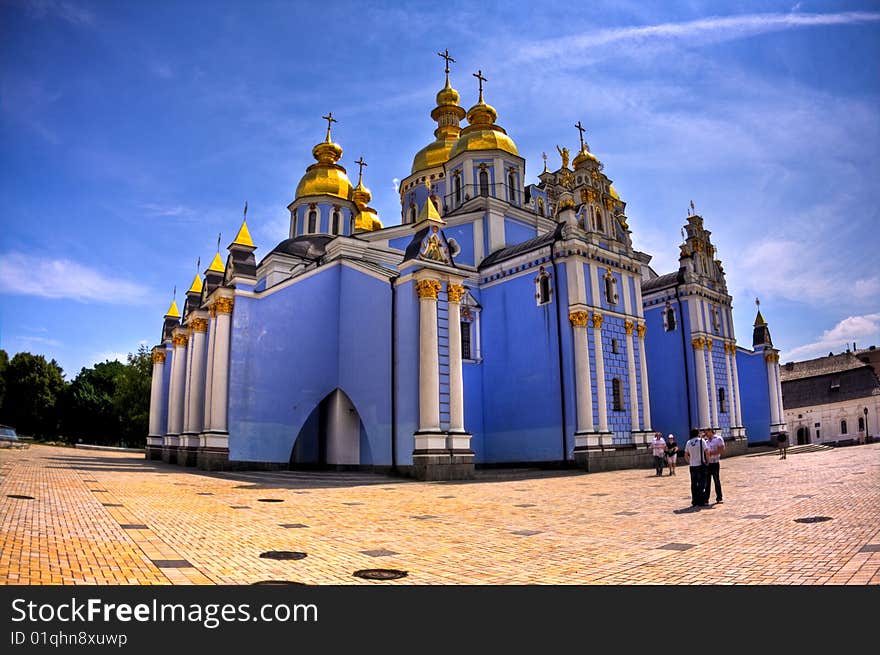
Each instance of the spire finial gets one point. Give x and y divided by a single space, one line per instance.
445 55
245 209
693 211
174 294
758 303
219 234
330 120
479 76
198 264
361 163
581 129
544 157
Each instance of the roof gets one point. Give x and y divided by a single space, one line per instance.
663 281
305 247
820 366
520 248
850 384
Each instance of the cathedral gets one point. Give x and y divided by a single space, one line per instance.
501 322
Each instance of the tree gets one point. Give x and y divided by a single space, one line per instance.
4 363
87 409
33 386
132 397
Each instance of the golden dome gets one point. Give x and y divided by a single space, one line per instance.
432 155
447 96
447 113
613 192
325 177
367 220
584 156
482 133
361 195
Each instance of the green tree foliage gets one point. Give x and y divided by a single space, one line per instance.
4 363
132 398
33 386
87 409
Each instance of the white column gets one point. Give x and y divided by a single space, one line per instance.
733 367
175 395
220 379
699 345
583 384
728 377
779 388
209 373
187 387
156 427
454 292
631 371
713 391
771 381
197 346
643 365
429 367
600 372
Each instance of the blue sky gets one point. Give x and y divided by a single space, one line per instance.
133 132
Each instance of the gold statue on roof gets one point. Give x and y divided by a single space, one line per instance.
564 153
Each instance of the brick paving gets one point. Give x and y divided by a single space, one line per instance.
114 518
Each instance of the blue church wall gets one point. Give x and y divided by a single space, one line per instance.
631 290
616 366
166 386
516 232
520 374
472 381
401 242
719 370
406 332
560 290
443 355
754 395
464 235
285 359
666 373
588 285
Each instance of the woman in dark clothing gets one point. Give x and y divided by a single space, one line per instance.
671 453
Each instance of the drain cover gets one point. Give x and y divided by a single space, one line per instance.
277 582
380 574
282 554
813 519
270 500
19 497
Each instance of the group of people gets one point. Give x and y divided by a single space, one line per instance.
702 453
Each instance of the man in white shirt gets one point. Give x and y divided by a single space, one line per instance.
695 452
715 443
658 447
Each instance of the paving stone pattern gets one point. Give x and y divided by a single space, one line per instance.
617 527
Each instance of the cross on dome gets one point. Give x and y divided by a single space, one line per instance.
581 129
329 118
479 76
445 55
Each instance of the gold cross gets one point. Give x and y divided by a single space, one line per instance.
445 55
479 76
361 163
581 129
329 118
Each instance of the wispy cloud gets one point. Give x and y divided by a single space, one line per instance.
61 9
172 211
697 32
864 329
40 341
29 275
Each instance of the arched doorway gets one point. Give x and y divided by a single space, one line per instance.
803 436
333 436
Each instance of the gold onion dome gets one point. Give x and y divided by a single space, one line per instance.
448 114
325 177
366 219
483 133
613 192
584 156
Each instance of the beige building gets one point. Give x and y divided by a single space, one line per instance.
834 399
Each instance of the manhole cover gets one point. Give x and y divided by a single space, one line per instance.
380 574
282 554
270 500
277 582
813 519
18 497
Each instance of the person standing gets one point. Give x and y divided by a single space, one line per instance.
695 456
782 440
715 443
671 453
658 447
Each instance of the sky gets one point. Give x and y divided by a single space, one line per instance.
133 133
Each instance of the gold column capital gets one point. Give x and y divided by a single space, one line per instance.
179 340
641 329
428 289
597 320
212 310
223 305
454 292
771 357
199 324
578 319
708 344
628 326
158 356
699 343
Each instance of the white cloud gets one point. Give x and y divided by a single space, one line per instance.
173 211
624 41
862 330
29 275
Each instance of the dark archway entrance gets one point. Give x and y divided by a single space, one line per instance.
333 436
803 436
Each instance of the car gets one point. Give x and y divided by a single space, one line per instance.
8 437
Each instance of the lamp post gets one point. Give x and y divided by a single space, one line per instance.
868 438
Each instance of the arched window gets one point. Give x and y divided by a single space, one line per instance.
542 287
610 288
466 340
861 424
412 214
541 209
617 394
484 183
457 185
615 346
843 427
313 222
511 187
722 400
600 226
336 222
668 317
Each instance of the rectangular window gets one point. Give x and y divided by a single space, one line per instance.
466 340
